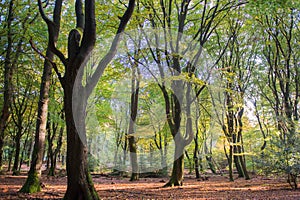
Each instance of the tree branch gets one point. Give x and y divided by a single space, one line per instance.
52 30
92 81
46 58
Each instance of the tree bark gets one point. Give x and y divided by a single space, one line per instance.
33 181
80 45
196 155
176 178
80 184
135 84
8 73
15 168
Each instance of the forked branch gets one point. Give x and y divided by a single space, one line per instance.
52 31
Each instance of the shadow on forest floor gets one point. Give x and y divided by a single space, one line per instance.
216 187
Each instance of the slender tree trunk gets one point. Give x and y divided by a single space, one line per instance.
196 138
50 138
165 153
23 151
135 84
236 156
17 153
196 156
10 157
55 153
190 162
209 158
8 87
123 162
163 162
242 158
33 181
230 161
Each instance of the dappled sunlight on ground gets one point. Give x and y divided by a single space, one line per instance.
216 187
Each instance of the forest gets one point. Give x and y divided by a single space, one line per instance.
149 99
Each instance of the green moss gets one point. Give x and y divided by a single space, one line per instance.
93 192
32 184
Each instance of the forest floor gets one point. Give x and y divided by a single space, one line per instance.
215 187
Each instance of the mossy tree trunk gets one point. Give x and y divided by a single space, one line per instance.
33 181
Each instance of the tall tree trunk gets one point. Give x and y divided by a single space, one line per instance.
81 42
8 73
50 138
135 84
174 122
33 182
189 161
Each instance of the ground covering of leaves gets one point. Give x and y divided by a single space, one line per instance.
215 187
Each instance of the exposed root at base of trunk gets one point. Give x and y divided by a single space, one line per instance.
173 184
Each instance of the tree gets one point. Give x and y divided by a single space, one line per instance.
236 68
81 42
33 182
134 100
183 68
22 117
14 46
280 60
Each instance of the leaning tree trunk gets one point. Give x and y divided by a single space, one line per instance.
33 182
